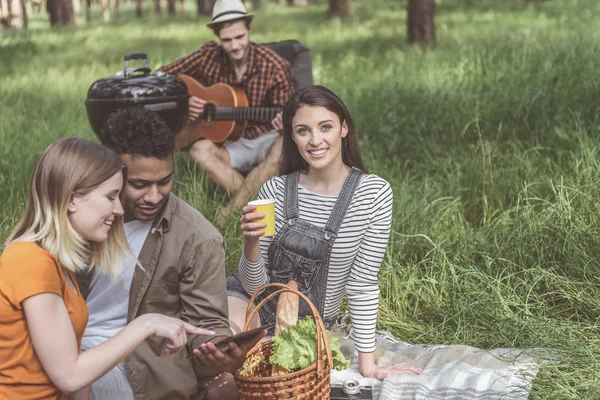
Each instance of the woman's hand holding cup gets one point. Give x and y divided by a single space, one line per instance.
258 219
252 230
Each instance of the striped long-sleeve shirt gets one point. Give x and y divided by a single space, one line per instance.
356 255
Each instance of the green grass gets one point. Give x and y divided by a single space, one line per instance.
490 142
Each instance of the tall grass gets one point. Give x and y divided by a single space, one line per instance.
489 139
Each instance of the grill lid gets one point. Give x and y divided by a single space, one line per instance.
136 85
164 94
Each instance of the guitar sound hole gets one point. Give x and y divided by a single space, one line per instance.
209 112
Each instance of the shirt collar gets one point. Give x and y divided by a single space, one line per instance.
162 223
252 62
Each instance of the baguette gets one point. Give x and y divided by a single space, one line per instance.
286 316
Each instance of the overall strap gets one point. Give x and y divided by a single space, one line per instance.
343 201
290 196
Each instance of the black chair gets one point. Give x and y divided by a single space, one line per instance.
298 55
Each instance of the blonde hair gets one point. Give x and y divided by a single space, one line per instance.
71 166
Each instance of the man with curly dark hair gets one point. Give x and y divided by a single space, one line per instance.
121 133
177 268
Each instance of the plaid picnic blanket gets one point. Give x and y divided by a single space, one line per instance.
449 371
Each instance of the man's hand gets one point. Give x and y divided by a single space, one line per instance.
196 107
277 122
217 361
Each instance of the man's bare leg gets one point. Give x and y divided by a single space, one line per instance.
215 160
259 175
255 179
237 314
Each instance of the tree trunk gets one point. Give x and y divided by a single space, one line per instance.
421 28
14 14
24 14
171 7
4 11
76 6
256 4
182 7
106 10
339 8
205 6
157 7
138 8
298 3
61 12
4 14
88 10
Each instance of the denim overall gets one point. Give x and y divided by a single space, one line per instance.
300 251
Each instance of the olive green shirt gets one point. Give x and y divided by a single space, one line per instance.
181 273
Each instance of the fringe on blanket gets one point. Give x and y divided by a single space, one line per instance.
449 371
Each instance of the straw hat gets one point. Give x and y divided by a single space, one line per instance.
227 10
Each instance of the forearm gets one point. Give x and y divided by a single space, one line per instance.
254 262
363 301
55 344
92 364
362 287
252 250
252 270
366 364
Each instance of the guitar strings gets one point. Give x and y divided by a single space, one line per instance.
245 113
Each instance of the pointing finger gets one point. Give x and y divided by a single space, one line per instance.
198 331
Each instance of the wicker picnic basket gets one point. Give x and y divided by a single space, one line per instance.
312 382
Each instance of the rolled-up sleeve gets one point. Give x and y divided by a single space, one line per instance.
203 291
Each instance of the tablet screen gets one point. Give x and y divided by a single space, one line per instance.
240 337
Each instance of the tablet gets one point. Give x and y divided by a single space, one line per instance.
240 337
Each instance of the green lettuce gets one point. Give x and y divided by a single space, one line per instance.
295 348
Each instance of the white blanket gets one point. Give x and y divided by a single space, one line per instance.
449 372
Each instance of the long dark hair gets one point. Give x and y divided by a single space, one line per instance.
319 96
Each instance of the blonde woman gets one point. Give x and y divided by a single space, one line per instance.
73 218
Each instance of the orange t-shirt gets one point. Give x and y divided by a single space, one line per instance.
26 270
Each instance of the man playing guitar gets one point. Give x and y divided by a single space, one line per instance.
265 79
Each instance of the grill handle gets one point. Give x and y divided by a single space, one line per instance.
136 55
161 106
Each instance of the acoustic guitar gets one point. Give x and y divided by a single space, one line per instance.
226 113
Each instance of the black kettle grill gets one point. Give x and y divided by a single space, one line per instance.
164 94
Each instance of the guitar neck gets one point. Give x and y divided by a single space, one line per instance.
245 113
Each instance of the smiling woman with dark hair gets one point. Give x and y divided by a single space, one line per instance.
333 223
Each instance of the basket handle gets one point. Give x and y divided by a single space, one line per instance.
321 336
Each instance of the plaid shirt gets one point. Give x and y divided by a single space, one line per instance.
266 83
